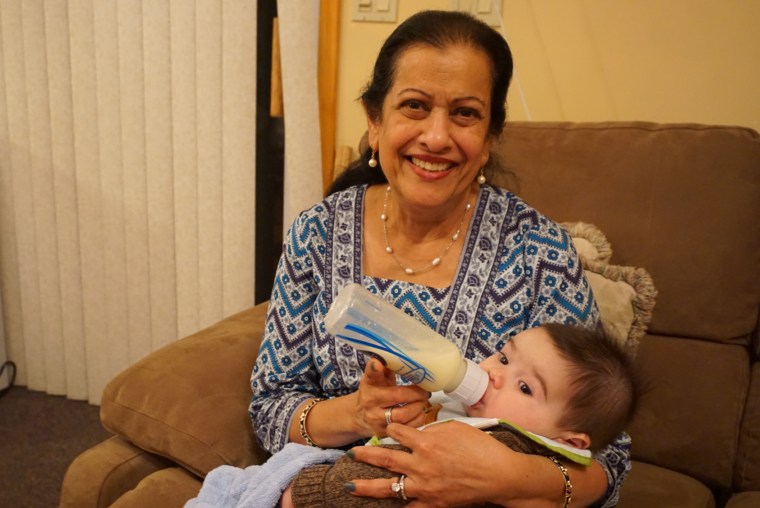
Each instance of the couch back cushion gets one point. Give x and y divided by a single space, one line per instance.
682 201
747 476
690 414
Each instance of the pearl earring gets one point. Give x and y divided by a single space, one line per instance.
372 161
481 177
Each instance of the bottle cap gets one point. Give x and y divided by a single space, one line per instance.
473 385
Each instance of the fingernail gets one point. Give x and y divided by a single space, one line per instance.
350 454
349 487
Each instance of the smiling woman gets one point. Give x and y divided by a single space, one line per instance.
413 221
431 137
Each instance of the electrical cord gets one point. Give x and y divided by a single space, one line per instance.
12 375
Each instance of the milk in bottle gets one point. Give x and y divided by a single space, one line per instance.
415 352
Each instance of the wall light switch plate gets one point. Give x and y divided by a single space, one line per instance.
486 10
378 11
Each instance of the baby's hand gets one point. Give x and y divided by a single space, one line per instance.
287 500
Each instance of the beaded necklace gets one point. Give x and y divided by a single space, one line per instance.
436 261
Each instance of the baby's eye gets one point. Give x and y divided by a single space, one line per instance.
503 360
525 388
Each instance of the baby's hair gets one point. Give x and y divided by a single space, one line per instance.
605 386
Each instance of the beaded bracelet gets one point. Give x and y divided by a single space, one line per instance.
302 421
568 483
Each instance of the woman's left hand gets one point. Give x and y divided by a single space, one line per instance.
451 464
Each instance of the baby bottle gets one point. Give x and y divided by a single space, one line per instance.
410 349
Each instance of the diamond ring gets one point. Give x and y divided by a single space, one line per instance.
398 488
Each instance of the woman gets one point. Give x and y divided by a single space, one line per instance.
416 222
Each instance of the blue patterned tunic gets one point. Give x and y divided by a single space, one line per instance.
517 269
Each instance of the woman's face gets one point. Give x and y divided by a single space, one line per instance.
528 385
432 138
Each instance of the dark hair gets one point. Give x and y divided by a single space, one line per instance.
438 29
605 386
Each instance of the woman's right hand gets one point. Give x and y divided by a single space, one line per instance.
378 393
343 420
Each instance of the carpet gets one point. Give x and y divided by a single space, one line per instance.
40 435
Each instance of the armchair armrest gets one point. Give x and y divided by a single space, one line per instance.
188 401
105 472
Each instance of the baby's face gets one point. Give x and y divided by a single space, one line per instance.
528 384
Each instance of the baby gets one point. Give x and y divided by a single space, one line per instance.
555 390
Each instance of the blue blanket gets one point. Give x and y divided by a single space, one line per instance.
259 486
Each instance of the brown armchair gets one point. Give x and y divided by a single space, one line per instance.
682 201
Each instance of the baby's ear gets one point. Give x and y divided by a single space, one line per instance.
576 439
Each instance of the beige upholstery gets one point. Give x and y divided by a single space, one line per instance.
744 500
105 472
653 486
162 488
747 468
202 421
681 201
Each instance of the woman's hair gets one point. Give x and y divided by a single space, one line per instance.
605 386
439 29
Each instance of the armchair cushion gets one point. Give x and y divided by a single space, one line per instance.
177 404
708 383
172 486
747 470
650 485
675 199
102 474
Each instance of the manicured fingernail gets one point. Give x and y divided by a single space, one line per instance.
349 487
350 454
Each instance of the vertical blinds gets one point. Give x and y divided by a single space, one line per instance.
127 137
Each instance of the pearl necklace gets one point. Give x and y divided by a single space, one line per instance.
389 249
